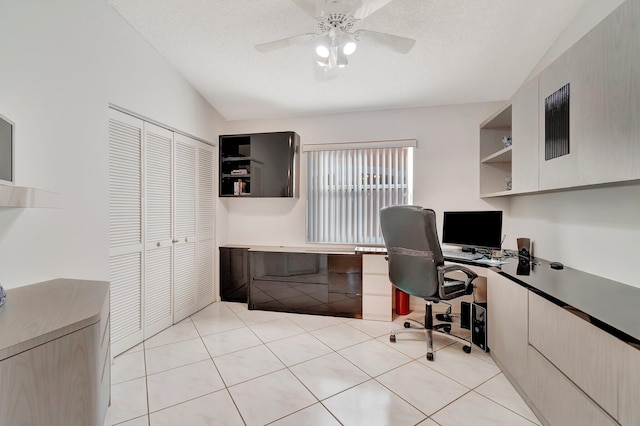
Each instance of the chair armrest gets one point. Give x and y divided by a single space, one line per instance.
456 287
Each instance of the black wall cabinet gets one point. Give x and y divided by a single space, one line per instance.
259 165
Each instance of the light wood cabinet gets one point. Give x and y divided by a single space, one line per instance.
557 399
629 376
603 73
507 324
377 290
525 139
603 70
588 356
54 354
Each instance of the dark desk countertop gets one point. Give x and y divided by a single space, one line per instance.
611 305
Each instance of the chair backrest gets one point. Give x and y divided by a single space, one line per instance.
413 249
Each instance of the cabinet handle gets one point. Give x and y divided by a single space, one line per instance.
158 244
175 241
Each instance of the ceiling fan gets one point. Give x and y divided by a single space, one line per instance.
336 39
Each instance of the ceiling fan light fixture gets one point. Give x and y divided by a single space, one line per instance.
347 44
341 59
322 51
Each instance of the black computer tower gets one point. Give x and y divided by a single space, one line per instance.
479 325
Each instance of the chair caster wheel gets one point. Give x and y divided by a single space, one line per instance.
407 324
429 356
446 328
392 338
466 349
444 317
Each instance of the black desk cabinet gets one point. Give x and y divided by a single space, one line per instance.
234 274
307 283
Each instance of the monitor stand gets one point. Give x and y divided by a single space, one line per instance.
469 250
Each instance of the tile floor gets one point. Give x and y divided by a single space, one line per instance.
228 365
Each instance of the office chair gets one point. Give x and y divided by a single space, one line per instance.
416 266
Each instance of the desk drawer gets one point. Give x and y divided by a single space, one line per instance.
585 354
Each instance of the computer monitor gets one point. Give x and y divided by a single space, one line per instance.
471 230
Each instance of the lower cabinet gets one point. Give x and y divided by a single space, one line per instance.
309 283
377 290
557 399
508 319
234 274
55 354
568 370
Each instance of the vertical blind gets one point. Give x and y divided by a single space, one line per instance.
346 188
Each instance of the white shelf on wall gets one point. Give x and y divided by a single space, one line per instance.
502 156
24 197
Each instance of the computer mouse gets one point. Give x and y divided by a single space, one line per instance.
556 265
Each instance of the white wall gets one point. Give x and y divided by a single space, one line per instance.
62 63
445 171
595 230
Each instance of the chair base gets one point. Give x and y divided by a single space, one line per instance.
430 328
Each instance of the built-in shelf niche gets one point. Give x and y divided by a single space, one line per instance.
495 158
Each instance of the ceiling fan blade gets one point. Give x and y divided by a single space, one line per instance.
285 42
396 43
312 8
363 8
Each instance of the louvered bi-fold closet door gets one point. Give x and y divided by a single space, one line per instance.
125 230
205 226
184 255
158 292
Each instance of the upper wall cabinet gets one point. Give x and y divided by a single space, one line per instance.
603 71
259 165
525 138
577 123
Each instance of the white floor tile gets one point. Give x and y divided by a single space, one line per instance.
270 397
207 326
127 366
461 367
297 349
214 310
328 375
176 333
138 421
422 387
213 409
175 355
374 357
181 384
281 381
128 400
247 364
499 389
372 404
276 330
474 409
230 341
340 336
374 328
314 322
258 317
316 415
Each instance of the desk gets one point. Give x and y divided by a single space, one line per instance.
567 341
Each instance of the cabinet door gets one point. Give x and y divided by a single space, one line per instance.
125 230
507 329
588 356
603 69
205 226
524 126
158 304
185 193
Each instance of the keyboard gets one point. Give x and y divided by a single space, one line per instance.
462 255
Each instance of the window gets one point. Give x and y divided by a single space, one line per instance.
347 187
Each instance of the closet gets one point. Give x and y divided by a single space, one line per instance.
161 228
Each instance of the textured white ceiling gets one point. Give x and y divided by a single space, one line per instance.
466 51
